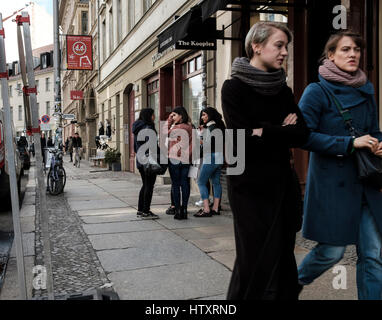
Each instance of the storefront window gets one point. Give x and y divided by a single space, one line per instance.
193 88
153 98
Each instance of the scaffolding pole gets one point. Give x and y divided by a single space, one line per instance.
10 156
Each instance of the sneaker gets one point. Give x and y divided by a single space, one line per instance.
139 214
199 203
153 215
146 216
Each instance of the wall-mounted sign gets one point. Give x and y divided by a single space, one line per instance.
76 95
79 55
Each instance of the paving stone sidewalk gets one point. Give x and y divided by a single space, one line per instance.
97 239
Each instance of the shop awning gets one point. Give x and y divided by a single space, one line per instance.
209 7
189 32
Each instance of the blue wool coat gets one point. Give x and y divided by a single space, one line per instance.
334 193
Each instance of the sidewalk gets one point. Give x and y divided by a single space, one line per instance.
150 259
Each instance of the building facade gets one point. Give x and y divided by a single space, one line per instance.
157 53
44 74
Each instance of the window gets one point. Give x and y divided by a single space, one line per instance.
47 84
153 97
193 88
44 61
11 113
119 21
37 84
131 11
48 108
10 91
111 31
19 91
20 113
104 39
84 22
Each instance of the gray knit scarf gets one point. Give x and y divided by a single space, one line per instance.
266 83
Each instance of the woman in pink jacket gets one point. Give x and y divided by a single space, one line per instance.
179 154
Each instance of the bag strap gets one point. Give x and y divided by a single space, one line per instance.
346 115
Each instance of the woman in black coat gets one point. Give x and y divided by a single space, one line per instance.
145 121
265 199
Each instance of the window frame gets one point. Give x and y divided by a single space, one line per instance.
186 61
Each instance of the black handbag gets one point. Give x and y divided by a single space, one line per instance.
369 165
152 167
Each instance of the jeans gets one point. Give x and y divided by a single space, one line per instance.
179 181
146 193
369 263
210 171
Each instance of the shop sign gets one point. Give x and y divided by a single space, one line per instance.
76 95
196 45
79 54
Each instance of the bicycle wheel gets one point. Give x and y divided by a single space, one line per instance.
52 184
62 178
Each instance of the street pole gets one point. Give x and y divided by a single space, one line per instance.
57 73
41 188
10 156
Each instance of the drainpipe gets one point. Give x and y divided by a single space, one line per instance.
98 44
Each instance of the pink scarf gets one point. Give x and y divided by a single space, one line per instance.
329 71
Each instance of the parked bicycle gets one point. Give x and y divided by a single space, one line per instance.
56 179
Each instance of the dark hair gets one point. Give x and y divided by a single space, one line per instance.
146 115
213 115
182 112
332 43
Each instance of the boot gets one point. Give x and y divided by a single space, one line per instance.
183 213
178 215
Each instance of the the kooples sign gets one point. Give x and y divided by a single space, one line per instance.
197 45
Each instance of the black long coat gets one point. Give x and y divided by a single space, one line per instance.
264 199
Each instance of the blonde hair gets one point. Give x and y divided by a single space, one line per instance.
260 33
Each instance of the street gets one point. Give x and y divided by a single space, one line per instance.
97 240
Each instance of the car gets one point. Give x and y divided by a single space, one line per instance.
5 190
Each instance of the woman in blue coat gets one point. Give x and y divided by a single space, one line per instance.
339 209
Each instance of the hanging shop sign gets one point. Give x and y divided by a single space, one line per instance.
189 32
76 95
79 55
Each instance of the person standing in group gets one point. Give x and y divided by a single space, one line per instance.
77 145
179 154
339 209
70 148
213 159
145 121
264 199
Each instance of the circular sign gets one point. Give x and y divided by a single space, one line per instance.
79 48
45 119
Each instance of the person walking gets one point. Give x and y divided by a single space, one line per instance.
264 199
43 147
212 163
339 209
77 145
179 154
70 148
145 121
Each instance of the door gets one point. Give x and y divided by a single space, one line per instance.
131 136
